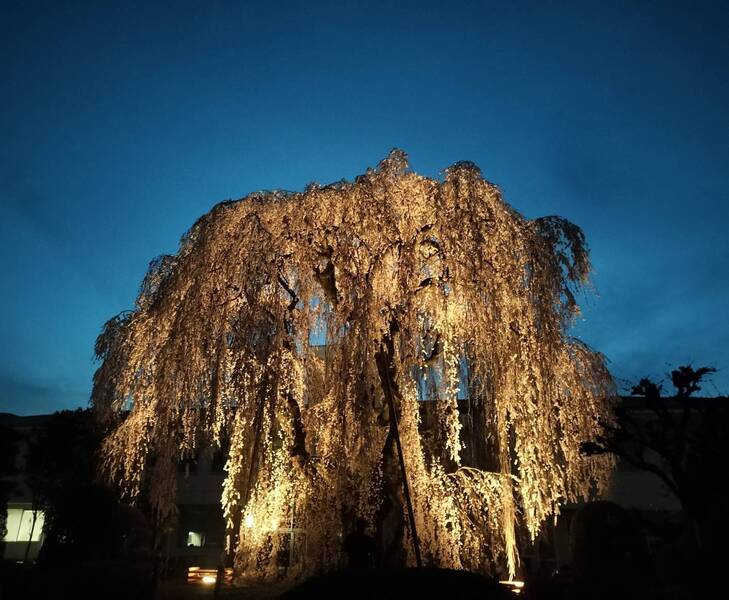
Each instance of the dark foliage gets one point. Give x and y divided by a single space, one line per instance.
8 452
610 553
671 442
84 520
682 440
405 583
109 581
686 379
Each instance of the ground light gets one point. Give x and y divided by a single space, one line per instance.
207 577
514 586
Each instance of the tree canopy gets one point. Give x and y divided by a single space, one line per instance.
419 287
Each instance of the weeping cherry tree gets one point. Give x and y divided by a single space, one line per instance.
430 296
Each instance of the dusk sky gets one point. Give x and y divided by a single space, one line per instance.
121 123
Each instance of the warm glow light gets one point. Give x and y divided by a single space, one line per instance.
208 579
424 289
515 586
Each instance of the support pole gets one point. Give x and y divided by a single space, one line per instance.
401 458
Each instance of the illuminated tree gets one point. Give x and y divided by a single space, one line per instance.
419 287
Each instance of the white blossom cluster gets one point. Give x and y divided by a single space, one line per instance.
424 290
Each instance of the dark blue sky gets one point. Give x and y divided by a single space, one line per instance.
121 123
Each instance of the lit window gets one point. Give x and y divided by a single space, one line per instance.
195 539
13 524
24 525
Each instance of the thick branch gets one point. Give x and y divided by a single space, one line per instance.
298 447
651 468
436 351
326 279
294 298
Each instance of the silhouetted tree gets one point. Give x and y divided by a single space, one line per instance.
682 441
671 433
83 519
8 454
686 379
106 543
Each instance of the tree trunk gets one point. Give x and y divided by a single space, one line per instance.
483 451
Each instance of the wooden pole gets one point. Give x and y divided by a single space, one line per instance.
32 531
401 458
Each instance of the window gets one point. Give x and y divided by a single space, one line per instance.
195 539
21 526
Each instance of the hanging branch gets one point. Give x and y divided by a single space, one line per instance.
444 273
